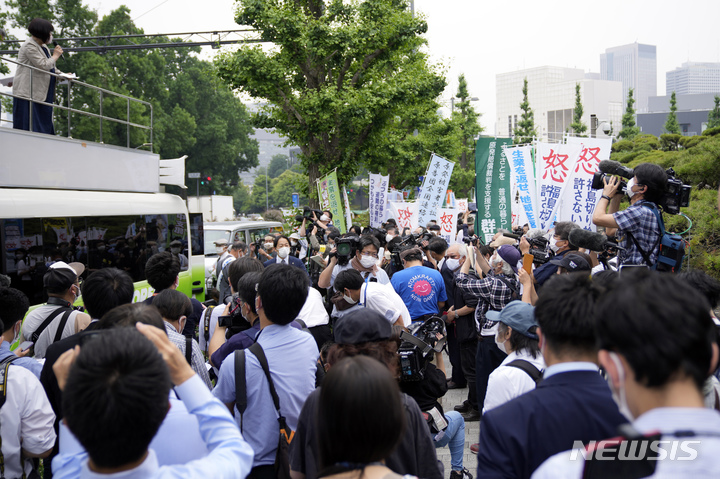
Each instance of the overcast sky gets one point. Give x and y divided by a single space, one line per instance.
481 38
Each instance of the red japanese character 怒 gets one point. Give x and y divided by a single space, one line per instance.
556 167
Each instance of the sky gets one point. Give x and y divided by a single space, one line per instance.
482 39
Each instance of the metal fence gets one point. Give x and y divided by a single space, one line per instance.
72 83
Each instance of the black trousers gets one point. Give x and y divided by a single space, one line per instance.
487 359
457 375
468 351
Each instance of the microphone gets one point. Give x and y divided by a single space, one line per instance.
615 168
62 55
581 238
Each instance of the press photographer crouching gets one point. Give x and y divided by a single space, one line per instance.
636 228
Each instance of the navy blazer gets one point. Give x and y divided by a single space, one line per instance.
292 260
518 436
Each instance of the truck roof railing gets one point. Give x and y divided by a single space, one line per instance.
73 83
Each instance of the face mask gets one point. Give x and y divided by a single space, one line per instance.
452 264
388 238
495 260
294 243
17 335
349 299
553 245
268 246
324 218
19 256
175 250
368 261
101 248
50 39
283 252
620 395
219 250
629 190
500 345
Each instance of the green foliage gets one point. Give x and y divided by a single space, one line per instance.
342 78
671 124
577 127
526 131
284 186
714 115
241 199
712 131
278 164
467 122
194 113
670 142
629 130
622 145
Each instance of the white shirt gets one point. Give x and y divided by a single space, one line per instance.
508 382
380 275
36 317
214 315
383 299
25 417
706 464
313 312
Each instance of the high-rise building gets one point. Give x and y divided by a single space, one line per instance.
693 78
635 65
551 93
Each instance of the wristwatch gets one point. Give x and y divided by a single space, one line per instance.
456 314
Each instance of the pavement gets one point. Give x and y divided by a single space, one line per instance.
451 399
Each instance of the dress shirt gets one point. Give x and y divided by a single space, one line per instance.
492 294
28 363
569 366
509 382
196 358
292 357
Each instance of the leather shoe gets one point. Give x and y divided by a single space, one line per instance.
474 448
464 407
471 416
453 385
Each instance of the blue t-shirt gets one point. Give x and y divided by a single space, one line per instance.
421 288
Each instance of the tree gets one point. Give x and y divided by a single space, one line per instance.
278 164
714 115
283 188
258 197
195 114
341 74
468 122
629 130
241 198
525 132
671 124
577 126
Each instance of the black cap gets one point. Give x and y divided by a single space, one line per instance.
572 262
61 276
361 326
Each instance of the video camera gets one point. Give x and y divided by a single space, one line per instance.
408 241
307 215
345 248
234 321
677 194
538 247
419 345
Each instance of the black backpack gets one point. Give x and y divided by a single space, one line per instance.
672 246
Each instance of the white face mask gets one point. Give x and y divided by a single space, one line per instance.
50 39
388 238
268 246
284 252
220 250
293 242
495 260
324 218
175 250
367 261
452 264
628 189
349 299
500 345
620 395
553 245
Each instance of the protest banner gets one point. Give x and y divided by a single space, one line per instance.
555 164
405 214
331 199
492 186
524 178
434 188
578 201
447 219
378 196
461 204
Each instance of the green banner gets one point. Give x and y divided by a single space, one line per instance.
331 199
492 187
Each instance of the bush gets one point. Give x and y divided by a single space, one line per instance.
669 141
623 145
711 131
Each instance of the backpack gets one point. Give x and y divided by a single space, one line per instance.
524 365
672 246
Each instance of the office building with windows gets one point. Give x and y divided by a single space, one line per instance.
635 65
693 78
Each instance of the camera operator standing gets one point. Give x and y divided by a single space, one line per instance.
636 227
559 244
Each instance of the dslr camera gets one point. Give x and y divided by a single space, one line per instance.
345 248
419 345
234 321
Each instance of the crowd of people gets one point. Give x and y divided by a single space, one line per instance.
323 355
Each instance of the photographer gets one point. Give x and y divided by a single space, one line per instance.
267 252
446 428
636 227
365 261
559 244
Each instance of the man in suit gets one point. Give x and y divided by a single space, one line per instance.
282 246
572 403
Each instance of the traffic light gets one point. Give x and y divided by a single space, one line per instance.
209 179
